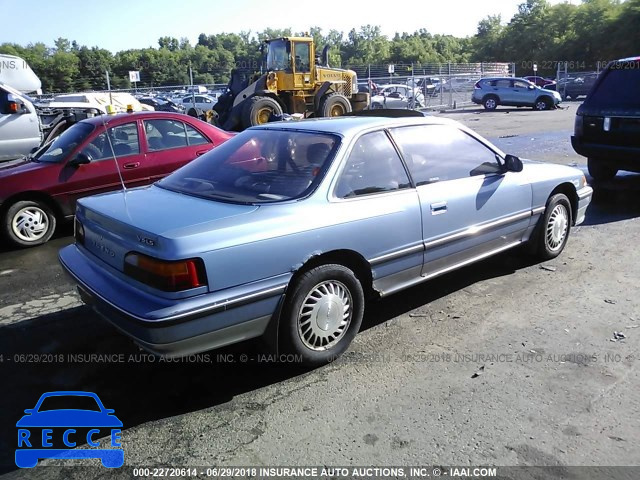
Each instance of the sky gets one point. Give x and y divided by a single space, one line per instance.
120 25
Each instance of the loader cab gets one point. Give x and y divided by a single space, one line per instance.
294 57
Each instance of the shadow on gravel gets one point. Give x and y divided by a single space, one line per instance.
52 352
614 200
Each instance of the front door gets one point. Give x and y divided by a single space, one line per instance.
470 206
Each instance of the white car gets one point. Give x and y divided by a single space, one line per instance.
198 101
397 96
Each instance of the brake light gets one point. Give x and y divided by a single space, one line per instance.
168 276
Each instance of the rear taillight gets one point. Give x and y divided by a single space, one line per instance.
167 276
78 232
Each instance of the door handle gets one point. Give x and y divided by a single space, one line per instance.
201 152
438 208
129 166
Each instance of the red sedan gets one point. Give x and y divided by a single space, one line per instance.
40 190
542 82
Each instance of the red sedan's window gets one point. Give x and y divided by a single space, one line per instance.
122 141
167 134
194 137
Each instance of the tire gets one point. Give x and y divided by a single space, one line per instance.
552 231
543 103
599 171
28 223
490 102
307 327
258 110
376 106
334 105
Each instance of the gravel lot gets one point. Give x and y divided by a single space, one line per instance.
506 362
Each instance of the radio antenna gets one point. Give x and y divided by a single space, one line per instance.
113 153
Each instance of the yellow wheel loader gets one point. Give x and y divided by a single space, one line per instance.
296 81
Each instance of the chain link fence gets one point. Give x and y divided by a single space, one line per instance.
436 86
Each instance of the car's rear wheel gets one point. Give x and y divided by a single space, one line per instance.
490 102
552 231
28 223
323 314
599 170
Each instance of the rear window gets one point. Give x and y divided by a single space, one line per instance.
620 86
258 166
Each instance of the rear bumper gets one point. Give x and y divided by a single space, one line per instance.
624 157
235 316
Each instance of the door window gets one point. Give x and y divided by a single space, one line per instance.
436 153
302 57
122 140
167 134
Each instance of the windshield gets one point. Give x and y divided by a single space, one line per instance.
619 88
257 166
277 56
58 150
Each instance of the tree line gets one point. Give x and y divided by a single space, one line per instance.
539 33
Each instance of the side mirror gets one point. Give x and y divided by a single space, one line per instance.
80 159
29 411
512 164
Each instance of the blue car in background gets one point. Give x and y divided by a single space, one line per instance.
290 227
53 420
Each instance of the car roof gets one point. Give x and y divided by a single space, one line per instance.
352 125
122 117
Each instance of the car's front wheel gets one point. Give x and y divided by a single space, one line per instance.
543 104
552 232
599 170
322 315
28 223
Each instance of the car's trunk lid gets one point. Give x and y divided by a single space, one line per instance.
146 220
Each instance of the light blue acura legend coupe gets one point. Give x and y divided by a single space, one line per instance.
288 228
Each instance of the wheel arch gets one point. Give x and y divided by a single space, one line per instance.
33 195
347 258
568 189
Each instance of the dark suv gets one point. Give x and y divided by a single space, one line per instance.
607 125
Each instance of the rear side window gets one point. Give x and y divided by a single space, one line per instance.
619 87
373 166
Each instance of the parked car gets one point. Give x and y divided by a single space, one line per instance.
607 125
288 228
397 96
426 85
161 104
40 190
542 82
513 92
203 103
579 86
